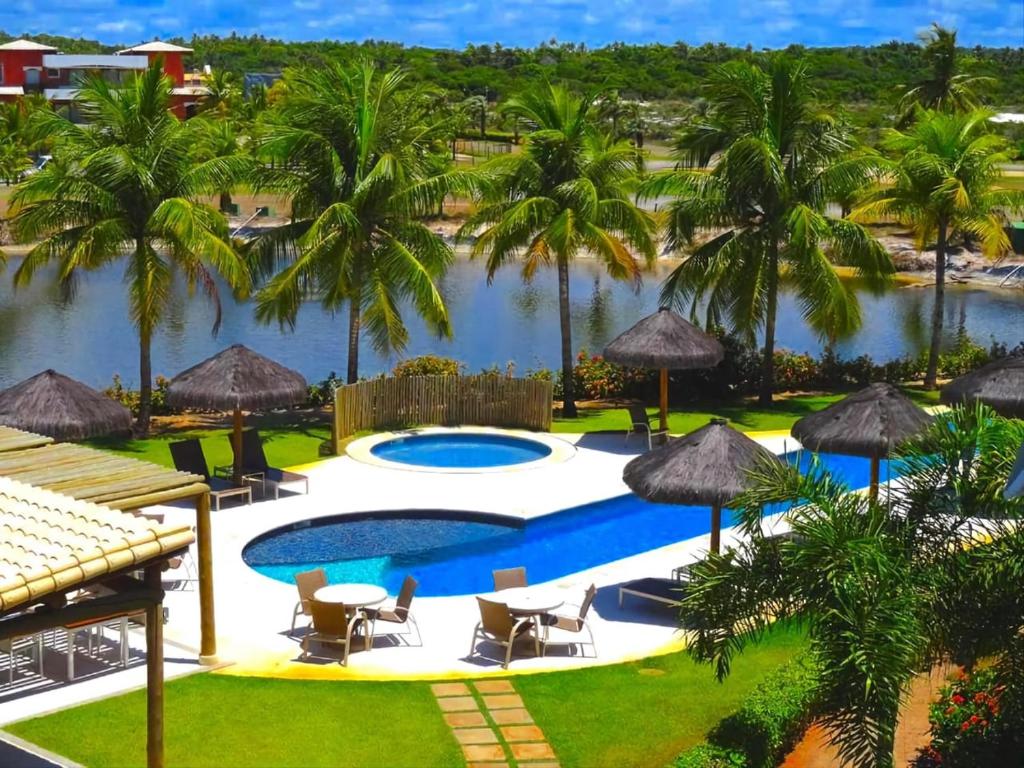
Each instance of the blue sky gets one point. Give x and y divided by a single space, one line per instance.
762 23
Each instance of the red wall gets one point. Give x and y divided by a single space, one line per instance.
14 63
174 66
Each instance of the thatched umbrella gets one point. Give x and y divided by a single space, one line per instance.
871 423
664 340
52 404
707 467
237 379
999 385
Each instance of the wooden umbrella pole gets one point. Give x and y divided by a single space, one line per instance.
875 461
716 528
236 442
663 426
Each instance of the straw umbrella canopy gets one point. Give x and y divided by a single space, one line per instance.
999 385
871 423
708 467
664 340
53 404
237 379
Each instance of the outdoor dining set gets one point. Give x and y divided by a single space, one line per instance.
343 614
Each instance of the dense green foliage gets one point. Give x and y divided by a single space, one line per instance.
762 731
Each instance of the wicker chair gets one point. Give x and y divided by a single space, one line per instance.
308 582
400 614
333 626
509 578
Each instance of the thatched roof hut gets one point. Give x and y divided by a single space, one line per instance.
871 422
60 407
707 467
665 341
237 379
999 385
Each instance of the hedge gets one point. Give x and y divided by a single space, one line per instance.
766 727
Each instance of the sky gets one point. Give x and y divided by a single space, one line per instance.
454 23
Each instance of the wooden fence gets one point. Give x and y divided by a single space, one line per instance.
485 400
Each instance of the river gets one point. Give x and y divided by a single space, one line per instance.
91 338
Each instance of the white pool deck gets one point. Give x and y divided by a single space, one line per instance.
253 612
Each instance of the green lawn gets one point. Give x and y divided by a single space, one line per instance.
639 714
644 713
744 416
220 722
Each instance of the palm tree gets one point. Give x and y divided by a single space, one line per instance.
945 89
355 147
563 195
613 108
218 139
223 93
124 186
767 163
944 178
885 590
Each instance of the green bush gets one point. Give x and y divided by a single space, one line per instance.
767 725
130 397
322 392
428 365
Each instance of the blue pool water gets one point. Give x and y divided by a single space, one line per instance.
454 553
469 451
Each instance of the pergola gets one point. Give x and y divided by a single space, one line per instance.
118 483
52 545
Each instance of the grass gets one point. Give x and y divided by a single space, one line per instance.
645 713
637 714
744 416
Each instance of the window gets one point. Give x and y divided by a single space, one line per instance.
2 81
52 74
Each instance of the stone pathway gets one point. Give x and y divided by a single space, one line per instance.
492 726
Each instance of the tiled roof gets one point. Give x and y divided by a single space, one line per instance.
25 45
49 543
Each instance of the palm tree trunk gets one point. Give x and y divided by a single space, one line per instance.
932 373
568 395
768 362
225 202
145 383
353 341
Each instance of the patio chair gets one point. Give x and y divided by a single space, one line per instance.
681 574
307 582
333 626
400 614
640 424
509 578
575 624
254 462
14 645
498 625
665 591
188 457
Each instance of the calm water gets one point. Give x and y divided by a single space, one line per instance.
466 451
92 339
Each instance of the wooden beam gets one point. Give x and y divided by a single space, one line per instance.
135 601
716 528
236 446
663 402
204 544
191 491
154 674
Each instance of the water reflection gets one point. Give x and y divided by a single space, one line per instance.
507 321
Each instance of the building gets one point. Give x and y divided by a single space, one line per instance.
29 68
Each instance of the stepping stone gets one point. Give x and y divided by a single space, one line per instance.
450 689
475 736
479 753
511 717
457 704
522 733
540 765
494 686
494 765
532 751
503 701
465 719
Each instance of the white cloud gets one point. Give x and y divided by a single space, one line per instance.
121 25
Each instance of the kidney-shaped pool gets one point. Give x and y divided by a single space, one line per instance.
453 553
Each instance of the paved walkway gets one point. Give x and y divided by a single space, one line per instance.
492 725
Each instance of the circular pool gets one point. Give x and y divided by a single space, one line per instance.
460 450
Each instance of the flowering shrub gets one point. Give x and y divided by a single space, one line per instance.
967 725
129 398
428 365
596 379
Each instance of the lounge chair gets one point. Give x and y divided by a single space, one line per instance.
400 614
575 624
498 625
254 462
307 582
666 591
332 625
509 578
640 424
682 574
188 457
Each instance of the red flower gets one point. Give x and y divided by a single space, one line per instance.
965 726
958 699
979 697
974 719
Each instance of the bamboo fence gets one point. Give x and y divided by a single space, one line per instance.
485 400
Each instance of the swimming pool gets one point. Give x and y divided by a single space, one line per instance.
469 450
453 553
